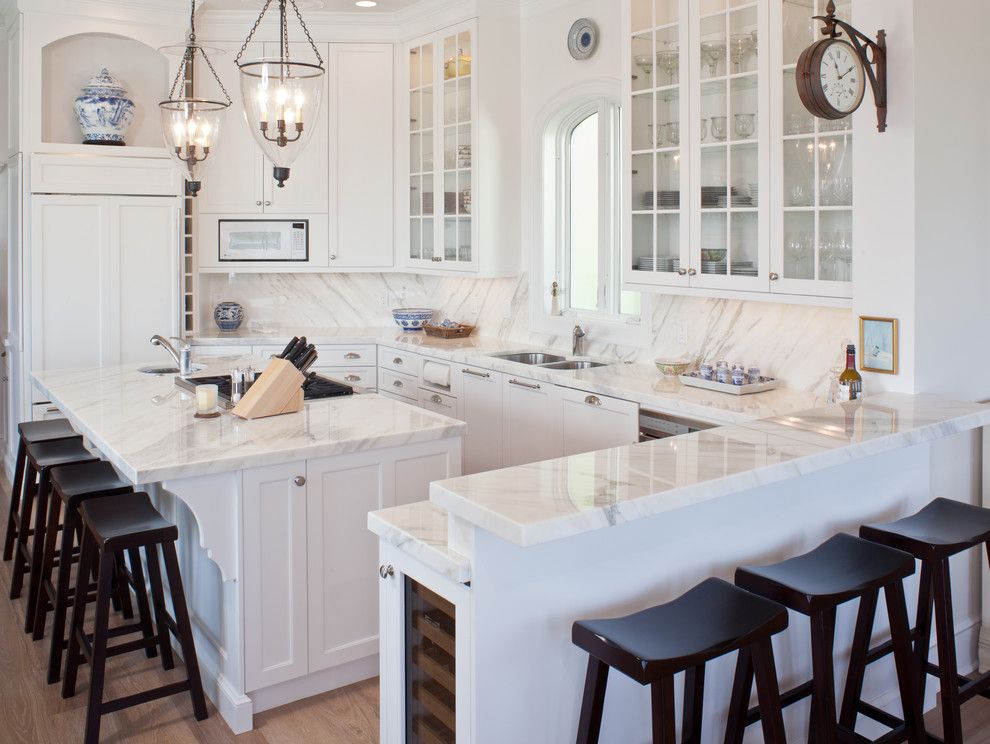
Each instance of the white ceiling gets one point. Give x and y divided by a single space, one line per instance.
387 6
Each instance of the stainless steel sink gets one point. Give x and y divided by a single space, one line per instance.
574 364
534 358
169 370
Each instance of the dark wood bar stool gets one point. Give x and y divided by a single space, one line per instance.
114 525
711 620
71 486
29 432
815 584
41 458
941 530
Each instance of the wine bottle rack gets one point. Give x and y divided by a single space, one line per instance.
431 681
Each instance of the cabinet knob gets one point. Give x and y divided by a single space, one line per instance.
386 571
774 276
353 378
257 204
398 360
299 480
268 203
437 259
593 400
682 272
352 355
692 272
397 383
437 399
333 257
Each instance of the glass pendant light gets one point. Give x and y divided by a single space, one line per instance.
281 96
191 126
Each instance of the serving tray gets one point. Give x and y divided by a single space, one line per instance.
766 383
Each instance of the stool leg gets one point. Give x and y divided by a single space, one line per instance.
87 554
823 723
28 493
122 592
37 548
900 634
593 703
104 588
69 524
15 498
694 699
42 605
158 600
947 667
857 660
742 690
923 627
141 592
768 692
662 697
186 640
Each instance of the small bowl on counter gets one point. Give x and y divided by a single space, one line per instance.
673 367
412 318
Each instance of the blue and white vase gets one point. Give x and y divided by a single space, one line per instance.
228 316
104 111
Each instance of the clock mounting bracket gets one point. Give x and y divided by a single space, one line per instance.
872 53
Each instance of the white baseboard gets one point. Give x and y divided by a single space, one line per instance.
315 684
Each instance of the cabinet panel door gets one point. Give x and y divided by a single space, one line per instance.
148 298
275 602
481 410
70 276
362 159
532 421
343 580
308 189
594 422
233 181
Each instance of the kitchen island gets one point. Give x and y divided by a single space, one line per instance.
279 568
497 567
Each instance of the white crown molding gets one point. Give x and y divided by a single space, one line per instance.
233 25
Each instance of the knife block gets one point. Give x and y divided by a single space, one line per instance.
278 390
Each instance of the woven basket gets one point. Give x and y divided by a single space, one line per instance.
460 331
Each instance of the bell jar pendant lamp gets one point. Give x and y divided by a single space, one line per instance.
281 95
191 126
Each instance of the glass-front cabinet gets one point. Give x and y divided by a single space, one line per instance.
712 120
442 115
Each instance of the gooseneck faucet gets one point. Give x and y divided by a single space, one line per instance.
579 340
182 355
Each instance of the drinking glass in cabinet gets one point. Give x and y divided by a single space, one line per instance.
799 245
835 171
740 47
668 109
745 174
799 29
668 182
643 62
720 128
712 55
744 125
799 173
672 132
744 101
668 61
835 246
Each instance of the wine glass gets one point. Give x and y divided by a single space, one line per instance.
740 45
719 128
745 125
645 63
668 60
713 52
673 130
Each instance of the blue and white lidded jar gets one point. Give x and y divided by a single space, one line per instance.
104 111
738 377
706 371
228 316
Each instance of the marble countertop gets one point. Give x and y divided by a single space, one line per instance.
421 531
637 382
144 424
551 500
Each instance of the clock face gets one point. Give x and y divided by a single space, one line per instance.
842 77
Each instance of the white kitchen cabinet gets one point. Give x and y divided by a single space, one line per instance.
104 278
592 422
398 384
275 587
445 405
362 155
531 423
481 409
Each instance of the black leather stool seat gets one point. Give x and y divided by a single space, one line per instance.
126 521
83 479
713 619
838 570
59 452
42 431
942 528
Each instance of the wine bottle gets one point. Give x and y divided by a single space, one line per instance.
850 381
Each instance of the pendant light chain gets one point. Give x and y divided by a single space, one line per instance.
283 32
189 57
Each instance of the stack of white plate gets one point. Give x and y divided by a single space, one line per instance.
754 193
713 267
744 268
667 265
662 200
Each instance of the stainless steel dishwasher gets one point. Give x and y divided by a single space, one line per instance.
655 425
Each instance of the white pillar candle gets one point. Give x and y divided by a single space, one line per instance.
206 398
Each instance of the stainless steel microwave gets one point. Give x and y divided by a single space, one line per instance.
263 240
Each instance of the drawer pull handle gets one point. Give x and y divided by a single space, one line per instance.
525 385
353 378
397 383
398 360
593 400
386 571
485 375
299 481
352 355
437 399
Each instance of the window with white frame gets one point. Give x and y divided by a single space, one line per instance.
587 211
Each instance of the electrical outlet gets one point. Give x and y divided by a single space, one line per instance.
386 299
474 307
681 331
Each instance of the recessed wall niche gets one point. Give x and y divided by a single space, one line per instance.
69 63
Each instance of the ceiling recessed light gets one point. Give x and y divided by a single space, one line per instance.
366 3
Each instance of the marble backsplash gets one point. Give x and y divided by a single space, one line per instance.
796 343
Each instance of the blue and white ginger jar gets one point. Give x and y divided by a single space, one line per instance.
228 316
104 111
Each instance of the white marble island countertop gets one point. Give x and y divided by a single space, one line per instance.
144 425
547 501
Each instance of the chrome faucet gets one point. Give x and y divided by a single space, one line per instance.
578 339
181 355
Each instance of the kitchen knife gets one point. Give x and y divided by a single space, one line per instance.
307 361
288 348
296 350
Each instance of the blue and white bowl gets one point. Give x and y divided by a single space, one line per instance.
104 111
228 316
412 318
